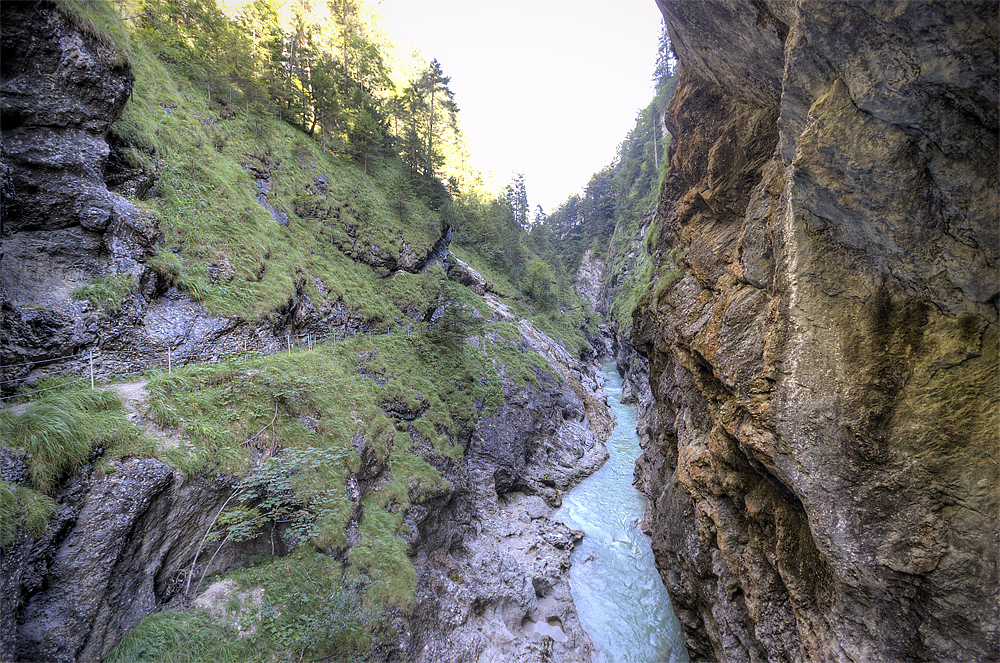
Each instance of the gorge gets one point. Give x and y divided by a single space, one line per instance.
806 320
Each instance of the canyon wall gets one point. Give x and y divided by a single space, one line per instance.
821 455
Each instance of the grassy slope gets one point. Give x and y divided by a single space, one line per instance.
207 206
333 403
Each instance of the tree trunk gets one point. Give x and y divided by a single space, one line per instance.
430 136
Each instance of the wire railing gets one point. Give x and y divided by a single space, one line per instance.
103 364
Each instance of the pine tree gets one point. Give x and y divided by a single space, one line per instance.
516 196
433 86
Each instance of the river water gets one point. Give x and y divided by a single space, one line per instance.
618 593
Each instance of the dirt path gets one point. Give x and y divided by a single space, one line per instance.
134 396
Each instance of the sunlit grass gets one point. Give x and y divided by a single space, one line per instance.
207 206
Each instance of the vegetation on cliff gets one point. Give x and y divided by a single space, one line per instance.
287 162
290 149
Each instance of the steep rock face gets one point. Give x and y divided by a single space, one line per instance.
822 458
589 278
63 87
119 548
491 562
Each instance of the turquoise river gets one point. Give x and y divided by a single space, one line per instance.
617 589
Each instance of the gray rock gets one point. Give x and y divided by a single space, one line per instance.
589 279
12 468
461 273
122 551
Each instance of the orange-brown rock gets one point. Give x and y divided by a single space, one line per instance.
822 457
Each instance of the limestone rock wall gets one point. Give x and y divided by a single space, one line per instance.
491 562
119 548
822 457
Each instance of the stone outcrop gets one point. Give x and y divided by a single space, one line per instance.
462 273
590 278
822 340
119 548
62 87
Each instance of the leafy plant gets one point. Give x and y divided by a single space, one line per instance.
271 493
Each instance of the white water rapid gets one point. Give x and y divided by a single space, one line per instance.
618 593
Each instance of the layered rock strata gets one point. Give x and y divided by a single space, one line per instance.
822 338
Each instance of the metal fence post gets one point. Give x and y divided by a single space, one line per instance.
91 369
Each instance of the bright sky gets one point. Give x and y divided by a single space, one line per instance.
548 88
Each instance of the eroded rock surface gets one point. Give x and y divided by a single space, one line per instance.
822 456
119 548
492 565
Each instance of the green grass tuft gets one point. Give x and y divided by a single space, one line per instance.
23 509
177 637
106 292
61 432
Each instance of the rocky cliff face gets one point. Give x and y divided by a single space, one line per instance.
62 89
491 565
119 548
67 221
822 340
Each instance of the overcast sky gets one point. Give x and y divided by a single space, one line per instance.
545 87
